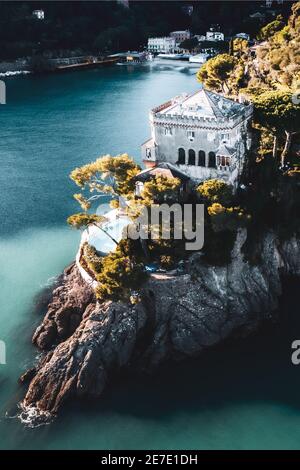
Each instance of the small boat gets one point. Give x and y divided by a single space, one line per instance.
135 58
172 56
199 58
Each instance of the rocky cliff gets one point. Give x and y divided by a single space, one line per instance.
179 316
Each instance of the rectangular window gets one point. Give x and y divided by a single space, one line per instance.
191 134
224 161
225 137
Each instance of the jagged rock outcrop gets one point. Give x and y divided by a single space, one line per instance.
179 316
68 304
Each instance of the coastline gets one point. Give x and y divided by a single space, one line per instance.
10 73
21 66
86 342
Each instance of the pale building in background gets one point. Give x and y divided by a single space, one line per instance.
212 35
166 45
180 36
269 3
39 14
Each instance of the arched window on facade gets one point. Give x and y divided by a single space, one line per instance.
224 161
212 160
181 156
192 157
201 161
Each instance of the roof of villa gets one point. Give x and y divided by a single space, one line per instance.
164 169
225 150
204 104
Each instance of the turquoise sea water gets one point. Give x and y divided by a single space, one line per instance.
243 395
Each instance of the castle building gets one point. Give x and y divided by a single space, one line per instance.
204 134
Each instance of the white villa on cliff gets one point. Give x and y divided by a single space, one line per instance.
204 134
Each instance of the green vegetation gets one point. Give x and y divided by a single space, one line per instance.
216 191
107 175
101 27
216 73
276 111
239 47
270 198
121 272
278 64
189 44
84 220
118 274
222 220
271 28
90 260
160 189
270 79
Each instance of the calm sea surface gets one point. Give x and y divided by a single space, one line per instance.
245 395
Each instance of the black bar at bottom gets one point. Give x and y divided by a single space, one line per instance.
138 458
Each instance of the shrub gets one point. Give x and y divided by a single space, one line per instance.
167 261
160 189
114 203
92 260
83 220
223 218
120 274
215 190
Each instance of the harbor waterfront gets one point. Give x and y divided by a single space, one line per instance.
243 395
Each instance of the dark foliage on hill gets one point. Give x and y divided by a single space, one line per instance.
101 26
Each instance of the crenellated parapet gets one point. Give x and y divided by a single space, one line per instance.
206 134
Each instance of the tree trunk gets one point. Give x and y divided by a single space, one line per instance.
287 147
275 146
225 88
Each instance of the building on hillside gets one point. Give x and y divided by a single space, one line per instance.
180 36
165 45
39 14
204 134
269 3
212 35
